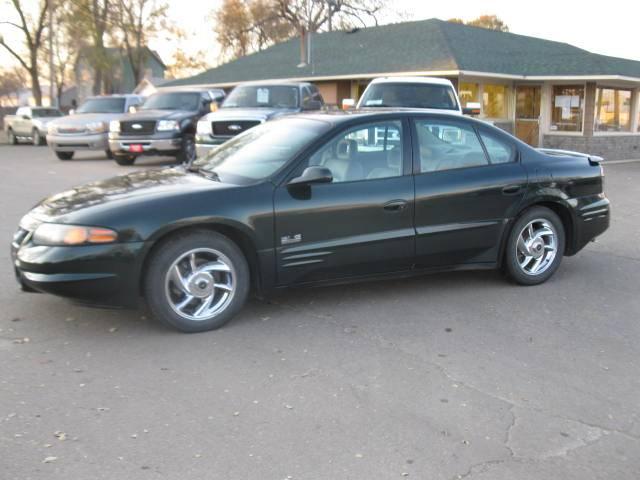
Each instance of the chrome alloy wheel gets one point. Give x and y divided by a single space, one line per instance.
200 284
537 247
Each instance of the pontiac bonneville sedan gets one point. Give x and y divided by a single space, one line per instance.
309 200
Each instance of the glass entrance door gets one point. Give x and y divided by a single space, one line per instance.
528 114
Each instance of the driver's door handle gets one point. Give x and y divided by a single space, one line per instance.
395 205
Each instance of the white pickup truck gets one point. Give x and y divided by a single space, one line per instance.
30 123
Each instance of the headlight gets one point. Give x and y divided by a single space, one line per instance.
204 128
167 125
96 127
114 126
59 234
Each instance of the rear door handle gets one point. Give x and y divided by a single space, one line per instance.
512 189
395 205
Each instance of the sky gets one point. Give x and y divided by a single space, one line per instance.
609 28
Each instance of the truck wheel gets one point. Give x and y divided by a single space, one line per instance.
36 137
187 152
124 160
12 139
109 154
535 247
196 281
64 155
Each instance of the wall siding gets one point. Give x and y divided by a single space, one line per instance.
610 147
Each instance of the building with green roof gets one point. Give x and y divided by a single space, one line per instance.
547 93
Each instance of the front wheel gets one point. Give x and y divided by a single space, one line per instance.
37 138
11 137
535 247
124 160
187 153
196 281
64 155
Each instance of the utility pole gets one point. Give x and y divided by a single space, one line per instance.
52 74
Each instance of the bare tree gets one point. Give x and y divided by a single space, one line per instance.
137 21
11 81
490 22
31 28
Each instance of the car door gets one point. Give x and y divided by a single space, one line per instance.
20 127
469 181
361 223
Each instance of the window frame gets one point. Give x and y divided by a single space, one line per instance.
417 167
549 123
407 148
595 110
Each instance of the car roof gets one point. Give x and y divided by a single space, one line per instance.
273 83
425 80
338 116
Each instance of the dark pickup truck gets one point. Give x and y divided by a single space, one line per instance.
164 125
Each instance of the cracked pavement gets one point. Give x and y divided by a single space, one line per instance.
457 375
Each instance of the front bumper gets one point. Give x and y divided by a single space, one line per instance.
71 143
150 145
103 275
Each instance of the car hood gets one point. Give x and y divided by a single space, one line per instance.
158 115
262 114
81 119
117 191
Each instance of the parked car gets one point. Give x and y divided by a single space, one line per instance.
30 123
251 104
309 200
428 93
88 127
164 125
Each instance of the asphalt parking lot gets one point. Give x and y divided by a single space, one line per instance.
458 375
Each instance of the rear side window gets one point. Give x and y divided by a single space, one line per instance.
499 150
447 146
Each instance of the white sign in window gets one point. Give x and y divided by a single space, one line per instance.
262 95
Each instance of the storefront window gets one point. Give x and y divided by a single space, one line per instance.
468 92
613 110
494 101
567 108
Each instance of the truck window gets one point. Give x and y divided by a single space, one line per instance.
411 95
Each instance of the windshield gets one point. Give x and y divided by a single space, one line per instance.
46 112
188 101
277 96
261 151
102 105
410 95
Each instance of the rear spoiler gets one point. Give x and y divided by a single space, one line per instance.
593 159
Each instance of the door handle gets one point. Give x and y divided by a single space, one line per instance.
512 189
395 205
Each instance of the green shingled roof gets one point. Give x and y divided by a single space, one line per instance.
423 46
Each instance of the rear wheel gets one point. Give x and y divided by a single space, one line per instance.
535 246
124 160
187 152
196 281
64 155
12 139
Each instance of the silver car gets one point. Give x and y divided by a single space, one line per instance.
88 127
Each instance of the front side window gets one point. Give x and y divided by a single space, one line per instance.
365 152
102 105
613 110
567 108
266 96
447 146
419 95
494 101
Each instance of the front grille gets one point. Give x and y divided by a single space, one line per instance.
141 127
231 128
71 130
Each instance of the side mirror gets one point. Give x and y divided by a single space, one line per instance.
26 117
313 175
472 109
348 103
72 111
312 105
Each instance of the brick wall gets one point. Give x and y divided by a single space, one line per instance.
612 147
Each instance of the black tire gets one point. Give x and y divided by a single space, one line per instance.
64 155
124 160
11 138
542 220
36 138
109 154
187 153
159 294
